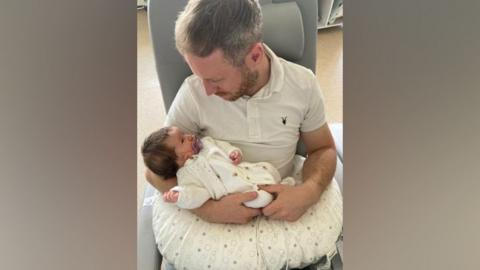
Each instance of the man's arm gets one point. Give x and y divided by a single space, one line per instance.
318 170
229 209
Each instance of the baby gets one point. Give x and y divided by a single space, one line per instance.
206 168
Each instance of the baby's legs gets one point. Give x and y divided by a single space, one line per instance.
272 170
276 175
264 198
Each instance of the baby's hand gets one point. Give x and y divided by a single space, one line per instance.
170 196
236 157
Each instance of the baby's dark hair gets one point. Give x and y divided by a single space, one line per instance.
158 157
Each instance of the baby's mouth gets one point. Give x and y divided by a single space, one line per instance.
197 145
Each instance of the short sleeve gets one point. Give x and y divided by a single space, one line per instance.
184 110
315 112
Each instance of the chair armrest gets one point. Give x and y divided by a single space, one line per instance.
339 173
148 257
337 133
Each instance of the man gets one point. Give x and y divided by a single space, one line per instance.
241 92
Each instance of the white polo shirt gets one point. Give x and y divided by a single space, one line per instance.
266 126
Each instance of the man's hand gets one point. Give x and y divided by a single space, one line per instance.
318 169
170 196
229 209
236 157
291 201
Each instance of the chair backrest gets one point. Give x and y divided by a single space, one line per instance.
289 29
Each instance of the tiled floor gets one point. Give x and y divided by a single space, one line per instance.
151 112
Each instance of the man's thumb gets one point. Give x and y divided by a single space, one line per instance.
247 196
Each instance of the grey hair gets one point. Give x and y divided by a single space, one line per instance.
232 26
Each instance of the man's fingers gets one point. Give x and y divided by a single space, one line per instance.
247 196
271 209
273 188
253 212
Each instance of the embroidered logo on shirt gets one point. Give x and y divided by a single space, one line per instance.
284 120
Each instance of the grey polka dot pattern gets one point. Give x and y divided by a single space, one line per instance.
263 244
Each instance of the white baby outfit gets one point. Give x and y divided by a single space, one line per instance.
211 174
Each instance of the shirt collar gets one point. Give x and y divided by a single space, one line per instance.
276 79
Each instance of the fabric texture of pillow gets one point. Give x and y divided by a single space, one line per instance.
188 242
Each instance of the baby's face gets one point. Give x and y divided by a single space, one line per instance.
185 145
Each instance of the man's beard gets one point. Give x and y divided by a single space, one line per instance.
249 79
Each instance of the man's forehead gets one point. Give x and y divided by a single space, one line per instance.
215 55
209 66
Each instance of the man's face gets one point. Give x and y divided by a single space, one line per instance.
221 78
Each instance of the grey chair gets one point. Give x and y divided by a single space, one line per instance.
290 30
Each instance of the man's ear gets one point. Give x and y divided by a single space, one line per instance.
255 55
